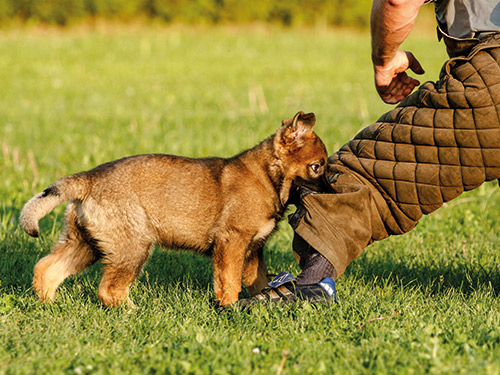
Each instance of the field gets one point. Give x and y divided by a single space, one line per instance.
70 100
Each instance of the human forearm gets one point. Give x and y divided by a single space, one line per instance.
391 22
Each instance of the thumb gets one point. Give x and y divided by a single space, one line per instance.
414 64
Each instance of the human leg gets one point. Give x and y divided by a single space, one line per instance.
331 230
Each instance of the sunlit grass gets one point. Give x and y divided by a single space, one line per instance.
72 100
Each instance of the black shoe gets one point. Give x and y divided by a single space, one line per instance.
283 289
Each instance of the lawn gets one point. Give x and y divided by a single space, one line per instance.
72 99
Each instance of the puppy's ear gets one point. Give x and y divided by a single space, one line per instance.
294 130
287 122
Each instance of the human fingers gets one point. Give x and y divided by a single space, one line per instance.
392 74
400 87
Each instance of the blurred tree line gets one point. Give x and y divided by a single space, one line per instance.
285 12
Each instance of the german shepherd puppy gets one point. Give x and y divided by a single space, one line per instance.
226 208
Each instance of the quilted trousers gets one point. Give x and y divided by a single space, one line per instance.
440 141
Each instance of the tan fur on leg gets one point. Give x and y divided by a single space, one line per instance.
114 287
68 258
228 261
255 273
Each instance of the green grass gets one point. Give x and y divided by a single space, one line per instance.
71 100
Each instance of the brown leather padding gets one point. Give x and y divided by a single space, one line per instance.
440 141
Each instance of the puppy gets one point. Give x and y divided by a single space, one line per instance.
226 208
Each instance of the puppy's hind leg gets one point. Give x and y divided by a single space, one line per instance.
71 254
121 267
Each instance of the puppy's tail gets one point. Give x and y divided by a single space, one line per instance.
71 187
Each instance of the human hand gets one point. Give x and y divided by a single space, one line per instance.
392 82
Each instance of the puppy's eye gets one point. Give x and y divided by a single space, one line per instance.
316 167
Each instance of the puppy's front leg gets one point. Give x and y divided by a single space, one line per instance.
228 260
255 272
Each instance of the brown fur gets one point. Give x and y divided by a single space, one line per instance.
224 207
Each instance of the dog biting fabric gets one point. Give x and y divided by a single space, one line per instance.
223 207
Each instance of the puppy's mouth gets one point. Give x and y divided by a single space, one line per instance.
302 188
294 196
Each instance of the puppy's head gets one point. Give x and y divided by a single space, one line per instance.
301 152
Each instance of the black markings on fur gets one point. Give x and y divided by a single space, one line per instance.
89 240
50 191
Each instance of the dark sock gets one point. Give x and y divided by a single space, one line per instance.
315 267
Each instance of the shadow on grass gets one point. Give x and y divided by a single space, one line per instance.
164 268
464 277
168 267
173 269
